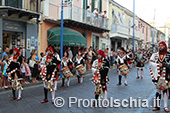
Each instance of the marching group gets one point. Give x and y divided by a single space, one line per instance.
17 69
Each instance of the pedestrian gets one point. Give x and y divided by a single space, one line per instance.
160 75
35 61
90 56
100 69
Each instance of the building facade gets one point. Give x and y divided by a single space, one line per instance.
78 20
19 24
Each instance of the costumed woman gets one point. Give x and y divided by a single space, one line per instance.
121 62
67 64
79 64
14 74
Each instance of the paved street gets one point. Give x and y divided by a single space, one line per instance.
33 95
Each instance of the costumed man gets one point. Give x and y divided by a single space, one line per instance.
140 62
159 70
14 74
130 59
121 61
100 69
48 74
79 61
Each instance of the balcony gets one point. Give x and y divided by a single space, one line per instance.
137 34
78 17
119 31
29 5
20 8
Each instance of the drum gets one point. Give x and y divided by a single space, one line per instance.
81 69
124 69
161 85
66 72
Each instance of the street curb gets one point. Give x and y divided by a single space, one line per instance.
41 82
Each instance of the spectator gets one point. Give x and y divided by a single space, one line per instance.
90 56
5 52
111 57
4 68
70 53
35 68
103 14
27 71
96 13
88 15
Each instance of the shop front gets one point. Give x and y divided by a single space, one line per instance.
16 34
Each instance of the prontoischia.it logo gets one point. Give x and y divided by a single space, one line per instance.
111 102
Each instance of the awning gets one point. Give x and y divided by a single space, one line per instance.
70 37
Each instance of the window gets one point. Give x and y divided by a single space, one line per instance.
14 3
146 33
143 29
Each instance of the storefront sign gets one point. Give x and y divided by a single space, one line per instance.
11 25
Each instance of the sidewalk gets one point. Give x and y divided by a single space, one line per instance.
41 82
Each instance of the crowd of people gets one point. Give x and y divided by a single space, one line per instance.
16 69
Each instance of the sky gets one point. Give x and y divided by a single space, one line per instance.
145 9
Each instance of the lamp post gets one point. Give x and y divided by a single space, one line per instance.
153 31
61 40
133 26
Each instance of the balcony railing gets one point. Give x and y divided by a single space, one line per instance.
77 14
30 5
115 28
137 33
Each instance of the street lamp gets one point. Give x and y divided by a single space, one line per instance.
133 26
153 31
61 40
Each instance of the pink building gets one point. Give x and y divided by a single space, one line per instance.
77 21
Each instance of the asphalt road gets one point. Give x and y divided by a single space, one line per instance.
33 95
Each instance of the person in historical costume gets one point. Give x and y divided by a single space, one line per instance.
79 61
100 69
14 74
66 62
48 73
160 73
121 62
140 62
130 59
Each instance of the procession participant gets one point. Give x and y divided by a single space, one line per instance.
122 62
14 74
140 62
160 74
48 73
130 59
100 69
79 61
66 62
